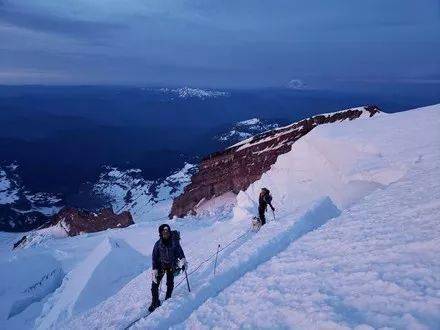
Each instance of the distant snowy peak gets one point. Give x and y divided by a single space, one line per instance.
188 92
296 84
256 124
246 129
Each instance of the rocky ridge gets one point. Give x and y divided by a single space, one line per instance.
236 167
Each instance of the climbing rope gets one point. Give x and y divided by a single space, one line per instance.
213 255
193 271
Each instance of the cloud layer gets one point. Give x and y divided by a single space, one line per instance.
241 43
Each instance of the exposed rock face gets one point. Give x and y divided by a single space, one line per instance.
71 222
235 168
75 221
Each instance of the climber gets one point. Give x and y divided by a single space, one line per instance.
264 199
168 257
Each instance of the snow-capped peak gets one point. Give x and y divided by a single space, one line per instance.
189 92
252 121
296 84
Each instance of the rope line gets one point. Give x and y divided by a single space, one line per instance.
190 273
213 255
195 270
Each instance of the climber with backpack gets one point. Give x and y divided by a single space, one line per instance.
264 199
168 258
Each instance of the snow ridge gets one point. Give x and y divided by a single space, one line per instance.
92 281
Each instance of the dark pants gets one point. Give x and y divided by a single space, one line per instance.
262 215
170 285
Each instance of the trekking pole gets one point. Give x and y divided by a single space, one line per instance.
216 256
273 212
187 282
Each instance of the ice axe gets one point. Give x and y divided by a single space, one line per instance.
187 281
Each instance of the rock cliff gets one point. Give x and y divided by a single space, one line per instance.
75 221
236 167
71 222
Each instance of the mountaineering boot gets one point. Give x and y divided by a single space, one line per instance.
168 294
170 285
153 306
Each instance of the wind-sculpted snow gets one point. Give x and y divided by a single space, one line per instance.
236 168
375 266
101 275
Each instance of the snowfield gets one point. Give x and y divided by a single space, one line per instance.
354 244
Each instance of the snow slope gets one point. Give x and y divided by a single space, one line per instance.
93 280
375 265
145 199
355 243
26 281
342 163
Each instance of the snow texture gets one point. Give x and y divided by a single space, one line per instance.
354 244
290 128
92 281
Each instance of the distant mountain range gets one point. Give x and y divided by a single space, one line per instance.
57 143
22 210
188 92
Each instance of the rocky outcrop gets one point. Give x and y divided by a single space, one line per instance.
235 168
75 221
71 222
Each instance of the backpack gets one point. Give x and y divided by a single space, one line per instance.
175 235
269 198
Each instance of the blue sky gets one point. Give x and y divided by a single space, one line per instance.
229 43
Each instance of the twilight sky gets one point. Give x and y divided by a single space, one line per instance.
223 43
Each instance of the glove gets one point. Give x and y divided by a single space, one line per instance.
154 274
273 209
182 263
